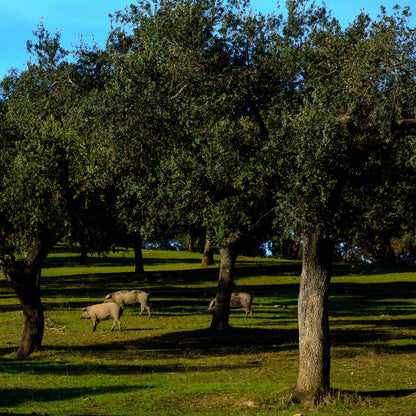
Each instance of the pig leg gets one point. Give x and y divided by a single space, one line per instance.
249 311
95 322
142 309
115 322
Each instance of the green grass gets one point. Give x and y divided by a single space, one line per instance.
172 364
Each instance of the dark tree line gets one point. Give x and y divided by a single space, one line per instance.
202 115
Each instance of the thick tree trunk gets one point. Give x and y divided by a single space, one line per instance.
33 318
225 285
313 383
25 281
208 253
138 254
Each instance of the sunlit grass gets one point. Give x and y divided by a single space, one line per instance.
172 364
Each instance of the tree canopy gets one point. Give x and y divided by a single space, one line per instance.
203 114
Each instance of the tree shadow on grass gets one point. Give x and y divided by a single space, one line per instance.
106 368
256 339
377 393
378 338
172 346
205 342
14 397
388 393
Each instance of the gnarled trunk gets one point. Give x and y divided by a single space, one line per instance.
25 284
24 278
313 383
25 281
225 285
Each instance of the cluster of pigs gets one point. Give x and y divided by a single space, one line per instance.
114 303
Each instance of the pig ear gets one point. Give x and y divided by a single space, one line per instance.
84 309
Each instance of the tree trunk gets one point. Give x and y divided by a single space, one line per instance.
83 258
190 247
25 281
138 254
225 285
33 318
208 253
313 383
83 261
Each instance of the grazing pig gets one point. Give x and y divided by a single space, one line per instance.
130 297
237 300
103 311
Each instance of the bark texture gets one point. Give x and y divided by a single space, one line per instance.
221 312
313 384
229 252
33 318
25 281
24 278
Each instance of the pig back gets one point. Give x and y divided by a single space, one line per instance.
141 297
127 297
240 299
106 310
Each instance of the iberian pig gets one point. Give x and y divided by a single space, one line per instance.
130 297
103 311
237 300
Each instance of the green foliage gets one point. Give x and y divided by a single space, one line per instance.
34 183
199 113
179 134
351 86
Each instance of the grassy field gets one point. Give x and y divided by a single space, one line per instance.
172 364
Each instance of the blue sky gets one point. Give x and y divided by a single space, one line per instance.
89 18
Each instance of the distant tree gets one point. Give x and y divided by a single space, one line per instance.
208 251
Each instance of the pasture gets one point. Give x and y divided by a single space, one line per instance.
172 364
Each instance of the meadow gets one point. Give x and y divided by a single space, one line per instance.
172 364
